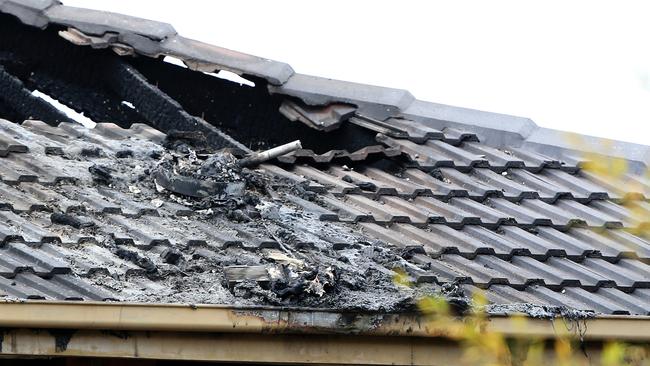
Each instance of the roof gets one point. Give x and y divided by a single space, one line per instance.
457 199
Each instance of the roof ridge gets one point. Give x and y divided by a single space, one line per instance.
127 35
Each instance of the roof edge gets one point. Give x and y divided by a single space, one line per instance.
224 319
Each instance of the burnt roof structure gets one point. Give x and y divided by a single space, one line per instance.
150 205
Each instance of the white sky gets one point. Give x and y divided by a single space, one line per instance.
581 66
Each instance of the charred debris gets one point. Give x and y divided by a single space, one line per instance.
217 133
293 266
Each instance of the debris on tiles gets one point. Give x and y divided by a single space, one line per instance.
538 311
169 203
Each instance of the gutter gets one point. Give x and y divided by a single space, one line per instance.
265 320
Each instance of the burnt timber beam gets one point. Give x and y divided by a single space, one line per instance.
16 96
159 109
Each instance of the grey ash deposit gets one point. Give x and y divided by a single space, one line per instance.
194 190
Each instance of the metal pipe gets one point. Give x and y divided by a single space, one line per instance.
267 155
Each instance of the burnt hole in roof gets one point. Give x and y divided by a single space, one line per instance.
96 82
70 74
69 112
391 166
248 114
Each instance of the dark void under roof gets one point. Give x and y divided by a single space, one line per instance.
457 199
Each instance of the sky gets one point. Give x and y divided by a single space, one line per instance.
581 66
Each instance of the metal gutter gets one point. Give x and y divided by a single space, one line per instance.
258 320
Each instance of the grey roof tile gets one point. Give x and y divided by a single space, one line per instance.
535 162
497 158
455 136
346 212
388 211
524 216
571 246
379 187
544 273
489 217
322 118
559 298
591 216
449 213
502 294
436 154
344 156
439 188
333 183
205 57
476 188
322 213
29 12
442 271
402 186
501 244
554 142
643 294
623 302
485 271
581 189
15 200
536 245
415 214
399 128
510 189
626 273
16 228
98 23
469 252
633 214
372 101
394 235
548 190
624 188
40 262
9 145
561 219
494 128
301 179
